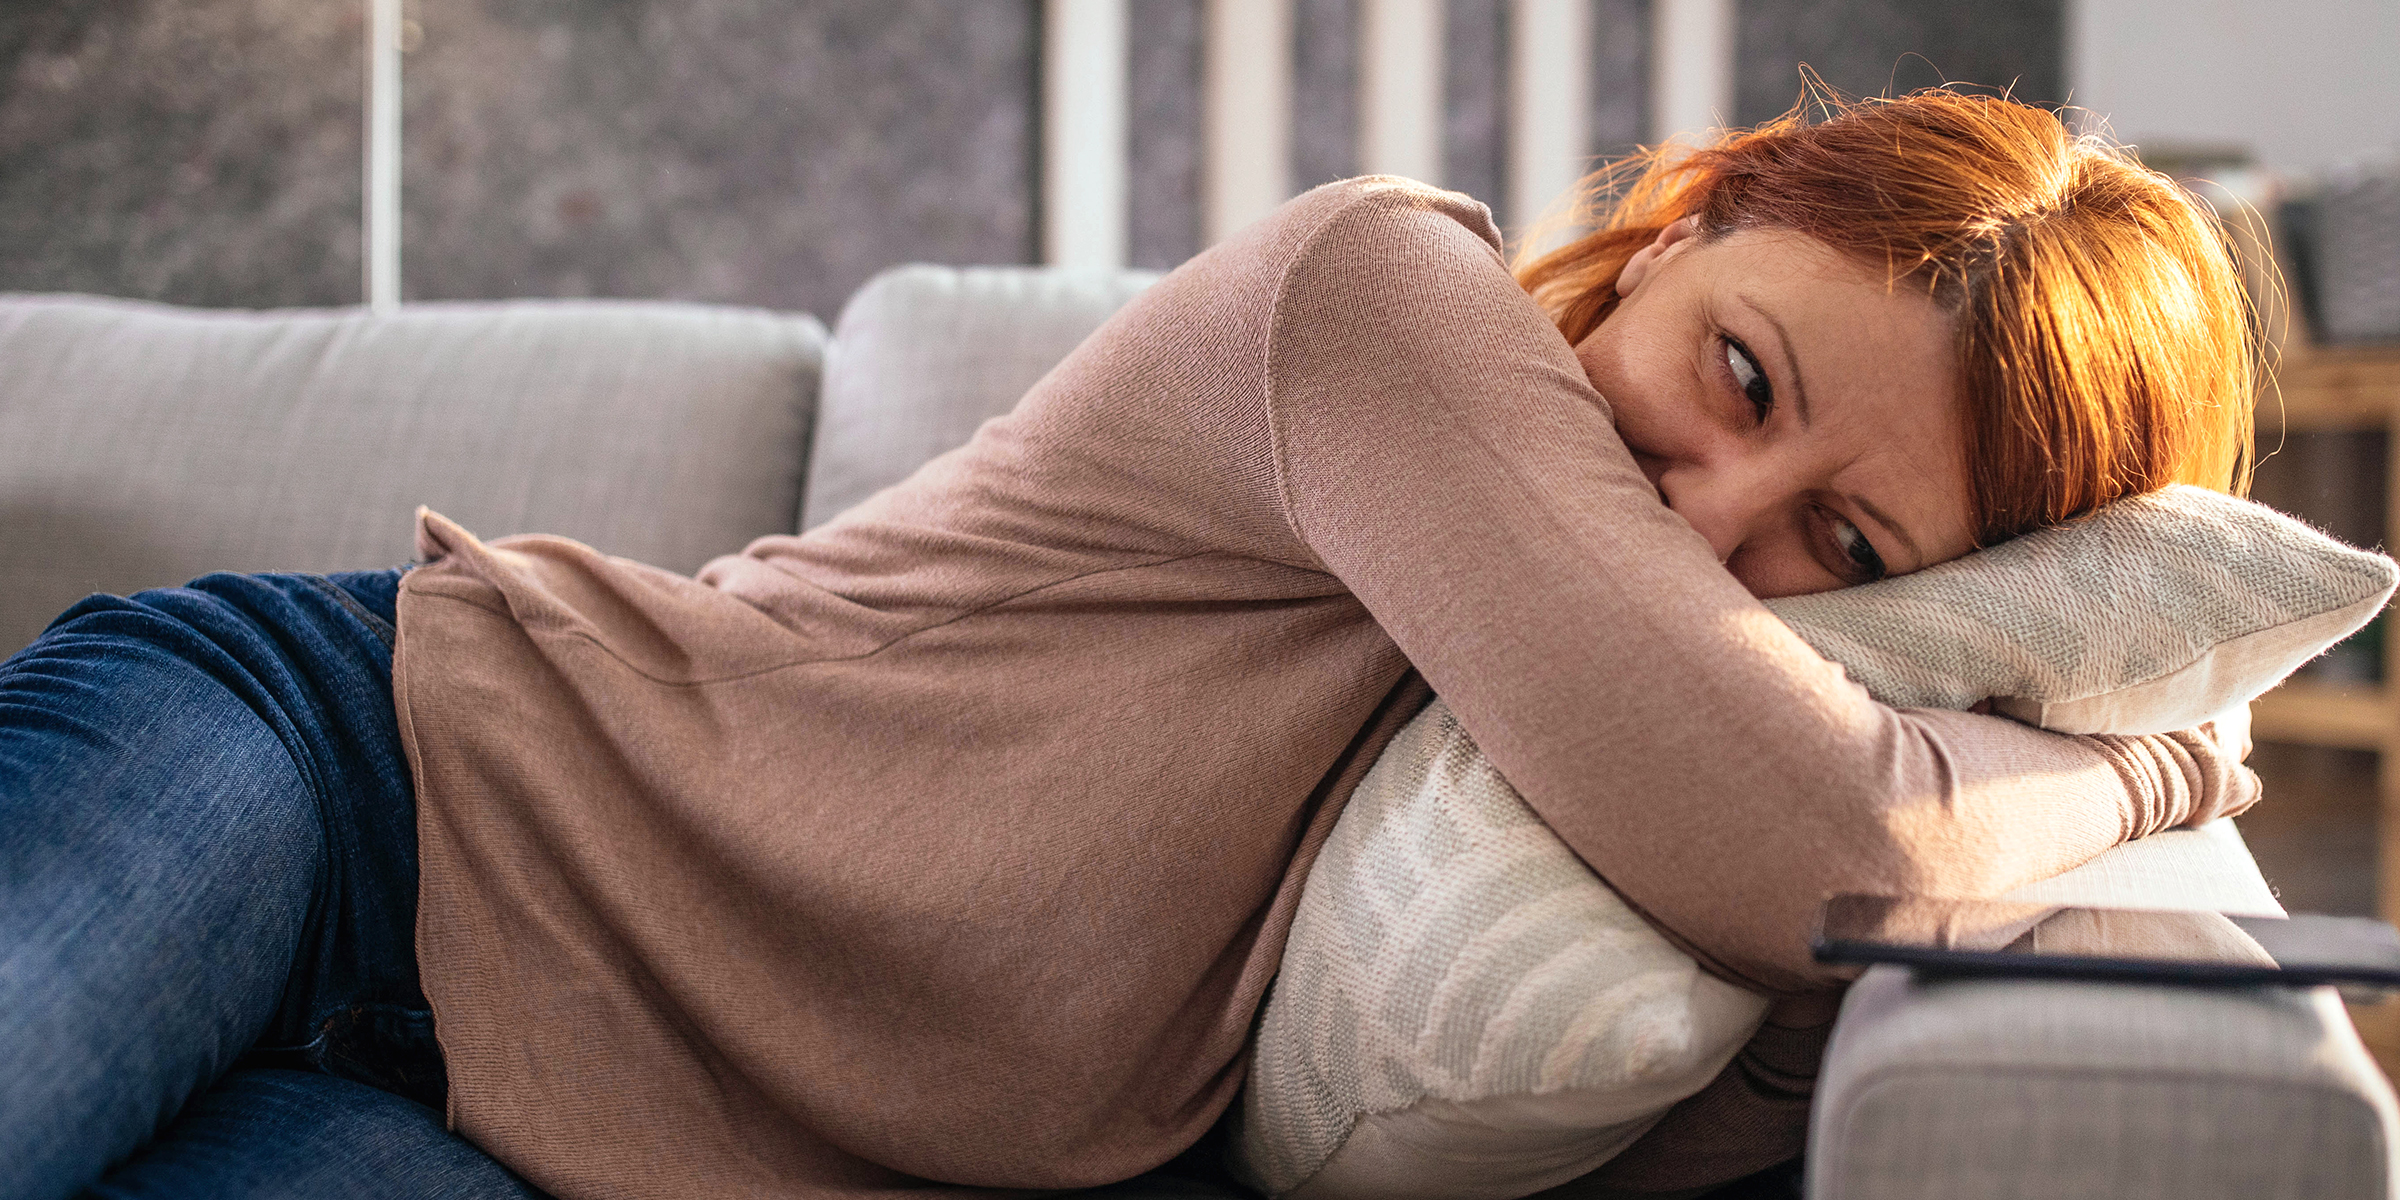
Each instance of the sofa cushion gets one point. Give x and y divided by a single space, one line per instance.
923 354
2086 1091
142 445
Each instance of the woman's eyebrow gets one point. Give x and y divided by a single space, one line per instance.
1790 360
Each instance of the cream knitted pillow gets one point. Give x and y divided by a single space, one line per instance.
1465 1010
2151 615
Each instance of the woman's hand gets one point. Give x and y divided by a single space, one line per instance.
2231 731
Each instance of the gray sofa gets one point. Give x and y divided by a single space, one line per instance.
141 445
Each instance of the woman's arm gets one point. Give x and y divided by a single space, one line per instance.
1439 450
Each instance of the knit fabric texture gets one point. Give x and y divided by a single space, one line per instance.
2075 628
1449 946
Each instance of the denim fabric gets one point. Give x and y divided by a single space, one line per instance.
207 852
289 1135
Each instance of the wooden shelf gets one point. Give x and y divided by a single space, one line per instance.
2378 1025
2333 387
2354 716
2324 388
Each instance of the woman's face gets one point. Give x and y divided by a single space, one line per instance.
1792 408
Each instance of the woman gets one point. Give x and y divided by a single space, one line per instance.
956 841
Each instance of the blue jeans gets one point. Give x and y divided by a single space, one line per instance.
208 892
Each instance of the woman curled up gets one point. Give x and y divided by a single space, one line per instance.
954 842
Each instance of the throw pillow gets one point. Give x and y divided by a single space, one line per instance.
2153 614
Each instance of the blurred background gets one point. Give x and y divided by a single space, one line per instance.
261 153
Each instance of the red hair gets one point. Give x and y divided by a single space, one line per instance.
2103 337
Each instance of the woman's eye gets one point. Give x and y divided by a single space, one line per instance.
1748 377
1857 551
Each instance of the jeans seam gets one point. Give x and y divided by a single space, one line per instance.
383 629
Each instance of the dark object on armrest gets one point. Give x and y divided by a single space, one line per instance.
1957 938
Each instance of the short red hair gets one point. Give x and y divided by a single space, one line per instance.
2103 337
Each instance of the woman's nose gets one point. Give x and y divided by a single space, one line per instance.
1725 502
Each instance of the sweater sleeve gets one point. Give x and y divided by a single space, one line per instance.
1440 451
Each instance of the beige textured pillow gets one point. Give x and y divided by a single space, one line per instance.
1466 1011
2153 614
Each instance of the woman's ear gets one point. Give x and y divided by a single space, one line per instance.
1645 260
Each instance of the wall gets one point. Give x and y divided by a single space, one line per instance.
770 152
201 151
743 151
1871 47
2305 85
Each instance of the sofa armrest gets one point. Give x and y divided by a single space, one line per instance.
1967 1089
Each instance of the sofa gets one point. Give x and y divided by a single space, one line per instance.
141 445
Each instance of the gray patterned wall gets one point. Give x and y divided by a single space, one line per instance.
1866 47
771 152
745 151
195 151
1162 83
1475 100
1620 99
1324 92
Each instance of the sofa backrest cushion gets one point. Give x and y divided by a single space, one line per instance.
142 445
922 355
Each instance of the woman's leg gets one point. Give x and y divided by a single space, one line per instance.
290 1135
207 841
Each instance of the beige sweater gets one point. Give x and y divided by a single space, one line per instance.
958 839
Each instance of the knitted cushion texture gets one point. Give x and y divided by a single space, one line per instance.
2151 615
1465 1010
